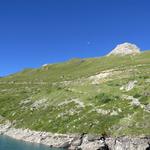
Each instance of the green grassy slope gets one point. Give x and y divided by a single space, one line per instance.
81 95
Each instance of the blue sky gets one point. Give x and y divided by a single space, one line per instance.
35 32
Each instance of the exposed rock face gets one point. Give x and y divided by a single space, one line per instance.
134 101
39 104
147 107
129 86
74 142
125 49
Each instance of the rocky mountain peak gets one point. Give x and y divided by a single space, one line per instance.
125 49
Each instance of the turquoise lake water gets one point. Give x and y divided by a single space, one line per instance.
7 143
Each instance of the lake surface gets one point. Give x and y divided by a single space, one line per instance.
7 143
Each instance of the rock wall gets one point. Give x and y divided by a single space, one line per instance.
76 141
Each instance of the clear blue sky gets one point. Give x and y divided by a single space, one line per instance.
35 32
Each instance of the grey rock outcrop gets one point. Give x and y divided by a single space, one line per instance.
73 142
128 143
125 49
129 86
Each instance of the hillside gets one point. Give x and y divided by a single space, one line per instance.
108 95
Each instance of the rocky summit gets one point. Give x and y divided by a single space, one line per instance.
125 49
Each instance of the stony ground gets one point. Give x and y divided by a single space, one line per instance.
108 95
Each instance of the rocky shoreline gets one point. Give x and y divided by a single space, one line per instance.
76 141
